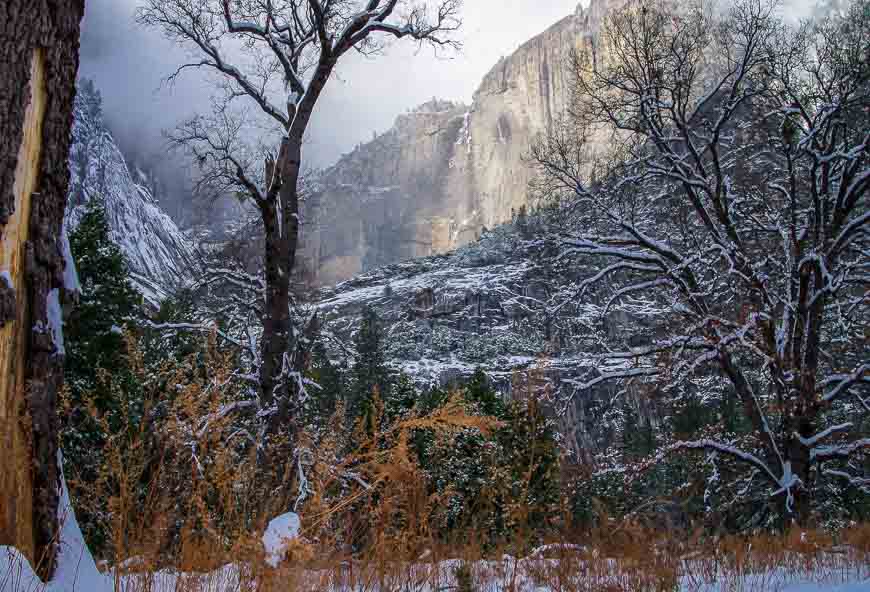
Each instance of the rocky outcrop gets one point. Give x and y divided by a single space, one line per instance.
445 171
160 256
389 200
493 304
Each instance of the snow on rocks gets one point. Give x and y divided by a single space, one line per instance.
280 531
159 254
446 315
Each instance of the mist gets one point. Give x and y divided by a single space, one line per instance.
129 65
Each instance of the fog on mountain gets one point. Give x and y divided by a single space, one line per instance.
603 325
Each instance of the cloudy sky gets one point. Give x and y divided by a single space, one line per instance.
129 64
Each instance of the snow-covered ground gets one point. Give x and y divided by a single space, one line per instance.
79 575
77 572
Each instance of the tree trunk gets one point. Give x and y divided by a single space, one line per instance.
799 457
282 240
276 314
282 237
38 66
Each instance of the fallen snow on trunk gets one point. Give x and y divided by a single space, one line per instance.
76 570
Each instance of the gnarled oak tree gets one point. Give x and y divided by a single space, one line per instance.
279 55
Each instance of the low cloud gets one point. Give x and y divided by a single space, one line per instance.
128 63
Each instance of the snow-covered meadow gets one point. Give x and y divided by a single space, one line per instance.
550 568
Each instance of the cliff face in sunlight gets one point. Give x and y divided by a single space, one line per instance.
445 171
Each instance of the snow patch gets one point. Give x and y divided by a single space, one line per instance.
280 530
70 275
55 319
76 569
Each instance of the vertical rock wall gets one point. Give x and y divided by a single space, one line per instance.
518 101
159 255
445 171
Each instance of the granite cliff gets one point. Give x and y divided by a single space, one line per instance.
160 256
445 171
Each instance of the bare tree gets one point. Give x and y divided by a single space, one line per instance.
730 237
279 55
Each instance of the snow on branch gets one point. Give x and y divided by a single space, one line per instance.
844 382
824 434
725 238
840 450
728 450
581 386
202 328
417 25
294 44
861 482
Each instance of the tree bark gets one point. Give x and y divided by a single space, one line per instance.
276 321
38 65
282 240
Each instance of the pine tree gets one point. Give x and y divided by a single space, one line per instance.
323 401
480 392
94 332
401 397
500 483
96 364
370 376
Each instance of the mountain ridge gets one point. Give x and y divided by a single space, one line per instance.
159 255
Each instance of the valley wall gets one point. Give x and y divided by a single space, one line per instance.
445 171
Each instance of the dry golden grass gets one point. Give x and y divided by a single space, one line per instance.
650 562
187 511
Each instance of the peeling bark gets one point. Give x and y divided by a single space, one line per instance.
38 65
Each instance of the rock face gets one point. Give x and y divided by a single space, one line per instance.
159 255
490 304
389 200
448 314
445 171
